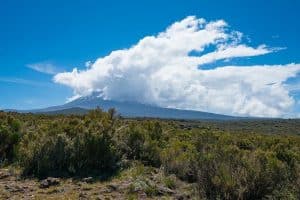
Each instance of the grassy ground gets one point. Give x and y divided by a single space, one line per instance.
136 182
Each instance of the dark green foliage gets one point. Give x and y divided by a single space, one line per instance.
69 146
142 142
261 126
10 134
237 166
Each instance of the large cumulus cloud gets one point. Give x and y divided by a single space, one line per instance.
165 70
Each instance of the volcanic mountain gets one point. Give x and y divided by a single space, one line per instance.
128 109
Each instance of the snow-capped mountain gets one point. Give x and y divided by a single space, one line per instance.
128 109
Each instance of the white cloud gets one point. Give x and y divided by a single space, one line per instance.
232 52
44 67
88 64
22 81
160 70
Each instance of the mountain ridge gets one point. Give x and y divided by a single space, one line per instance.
128 109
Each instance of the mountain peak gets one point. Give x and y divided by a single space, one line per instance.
130 109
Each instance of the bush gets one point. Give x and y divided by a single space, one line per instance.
178 158
10 134
142 142
228 170
89 148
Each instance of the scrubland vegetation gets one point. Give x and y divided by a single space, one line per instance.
213 163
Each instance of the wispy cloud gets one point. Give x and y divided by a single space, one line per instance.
45 67
22 81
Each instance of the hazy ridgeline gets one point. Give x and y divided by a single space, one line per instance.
222 165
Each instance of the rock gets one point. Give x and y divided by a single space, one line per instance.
50 181
88 179
104 190
112 187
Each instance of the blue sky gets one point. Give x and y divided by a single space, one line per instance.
67 34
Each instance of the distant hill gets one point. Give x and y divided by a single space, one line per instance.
128 109
67 111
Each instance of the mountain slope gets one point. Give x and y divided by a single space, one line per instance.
129 109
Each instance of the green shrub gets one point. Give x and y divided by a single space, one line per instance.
178 158
170 182
89 148
227 171
10 135
142 142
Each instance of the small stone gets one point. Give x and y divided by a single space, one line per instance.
88 180
104 190
112 187
50 181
